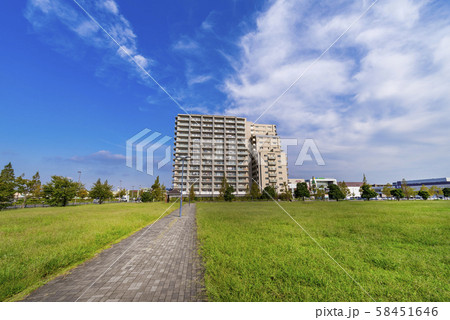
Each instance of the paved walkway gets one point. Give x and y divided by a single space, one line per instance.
158 263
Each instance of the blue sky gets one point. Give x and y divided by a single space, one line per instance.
378 102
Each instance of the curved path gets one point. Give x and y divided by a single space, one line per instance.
158 263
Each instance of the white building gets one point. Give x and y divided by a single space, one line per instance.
292 184
354 189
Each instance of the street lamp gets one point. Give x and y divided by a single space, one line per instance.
182 158
79 185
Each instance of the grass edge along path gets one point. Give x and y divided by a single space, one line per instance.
398 251
87 230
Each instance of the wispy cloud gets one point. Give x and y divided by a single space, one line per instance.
375 101
102 156
53 19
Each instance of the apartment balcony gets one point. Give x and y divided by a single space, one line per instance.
207 168
182 134
272 169
273 180
206 162
177 150
271 157
272 174
271 163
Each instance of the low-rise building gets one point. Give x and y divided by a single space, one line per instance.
292 184
416 184
354 189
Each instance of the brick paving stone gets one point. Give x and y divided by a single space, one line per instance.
157 263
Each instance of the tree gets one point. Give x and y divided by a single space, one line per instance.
387 190
147 196
158 191
82 191
254 191
344 189
364 179
192 193
410 192
423 188
269 193
302 191
286 194
435 191
404 187
367 192
101 191
59 191
7 186
320 193
223 187
335 192
28 187
228 195
247 192
446 192
423 194
122 193
397 194
37 186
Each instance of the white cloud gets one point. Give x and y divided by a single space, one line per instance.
47 16
379 97
111 6
103 156
186 44
199 79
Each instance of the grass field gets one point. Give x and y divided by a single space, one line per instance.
397 251
38 244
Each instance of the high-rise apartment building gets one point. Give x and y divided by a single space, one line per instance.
230 147
268 161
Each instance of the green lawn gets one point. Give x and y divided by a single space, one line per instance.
397 251
38 244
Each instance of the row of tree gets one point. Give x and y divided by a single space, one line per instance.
58 192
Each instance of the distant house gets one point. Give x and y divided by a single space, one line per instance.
354 189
